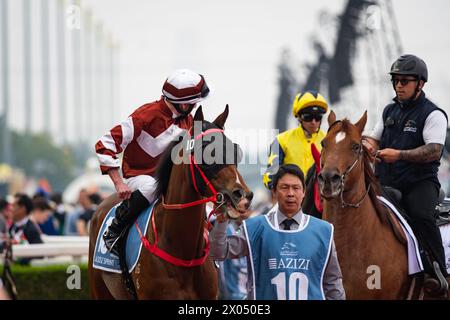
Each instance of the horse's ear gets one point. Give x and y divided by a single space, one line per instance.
199 114
331 118
361 122
220 120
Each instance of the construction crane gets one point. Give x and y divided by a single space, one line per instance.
367 41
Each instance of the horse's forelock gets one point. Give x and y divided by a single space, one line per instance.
347 127
206 125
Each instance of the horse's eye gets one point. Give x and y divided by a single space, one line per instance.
356 147
322 143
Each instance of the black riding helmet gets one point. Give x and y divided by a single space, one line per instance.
409 64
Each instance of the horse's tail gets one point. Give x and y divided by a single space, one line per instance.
97 286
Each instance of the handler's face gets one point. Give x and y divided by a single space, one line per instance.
289 193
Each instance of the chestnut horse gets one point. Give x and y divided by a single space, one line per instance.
365 241
180 222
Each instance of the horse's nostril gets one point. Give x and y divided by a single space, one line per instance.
320 177
328 177
249 196
336 178
238 194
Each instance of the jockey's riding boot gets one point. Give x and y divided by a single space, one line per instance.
436 283
126 213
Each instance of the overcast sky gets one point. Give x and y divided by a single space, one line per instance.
237 44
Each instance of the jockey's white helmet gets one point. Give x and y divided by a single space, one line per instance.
185 86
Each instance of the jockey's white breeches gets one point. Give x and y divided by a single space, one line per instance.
145 184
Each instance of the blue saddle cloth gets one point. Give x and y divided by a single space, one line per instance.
105 260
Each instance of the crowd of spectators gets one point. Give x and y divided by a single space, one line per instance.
25 218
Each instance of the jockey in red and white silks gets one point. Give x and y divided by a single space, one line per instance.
142 138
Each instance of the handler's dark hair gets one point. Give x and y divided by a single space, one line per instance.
288 168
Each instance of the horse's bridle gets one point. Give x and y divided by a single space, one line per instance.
345 174
217 197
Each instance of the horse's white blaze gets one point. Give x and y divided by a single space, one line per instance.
238 181
340 136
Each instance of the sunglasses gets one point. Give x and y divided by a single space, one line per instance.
402 81
307 117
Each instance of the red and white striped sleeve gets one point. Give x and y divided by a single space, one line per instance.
115 141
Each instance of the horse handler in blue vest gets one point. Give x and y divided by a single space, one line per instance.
408 143
291 255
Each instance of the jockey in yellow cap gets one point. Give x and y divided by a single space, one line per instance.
294 146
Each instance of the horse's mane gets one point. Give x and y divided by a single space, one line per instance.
375 189
311 174
371 180
163 170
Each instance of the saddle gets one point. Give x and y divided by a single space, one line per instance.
442 216
442 211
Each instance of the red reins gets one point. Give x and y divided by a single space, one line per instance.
153 248
316 156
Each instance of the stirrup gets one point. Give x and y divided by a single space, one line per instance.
113 247
442 281
436 284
